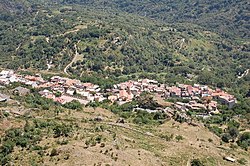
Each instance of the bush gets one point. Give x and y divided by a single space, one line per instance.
4 160
61 130
226 138
244 140
98 139
242 161
179 137
73 105
234 132
7 147
167 137
233 124
216 130
22 142
53 152
196 162
210 140
63 142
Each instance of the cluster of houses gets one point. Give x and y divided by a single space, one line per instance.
126 91
64 90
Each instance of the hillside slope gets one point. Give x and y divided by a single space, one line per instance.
229 17
112 39
89 142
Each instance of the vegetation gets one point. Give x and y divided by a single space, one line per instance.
74 105
137 116
116 45
231 133
123 42
29 137
196 162
106 42
244 140
213 15
179 138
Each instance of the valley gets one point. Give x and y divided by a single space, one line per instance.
124 82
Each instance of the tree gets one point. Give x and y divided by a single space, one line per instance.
61 130
205 77
7 147
73 105
58 94
146 101
226 137
234 132
244 140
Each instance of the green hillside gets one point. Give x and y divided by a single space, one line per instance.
229 17
115 39
106 42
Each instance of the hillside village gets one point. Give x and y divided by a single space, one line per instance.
64 90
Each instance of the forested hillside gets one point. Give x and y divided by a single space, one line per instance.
117 38
229 17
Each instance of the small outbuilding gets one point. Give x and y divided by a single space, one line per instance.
229 159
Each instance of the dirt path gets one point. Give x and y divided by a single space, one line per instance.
35 15
18 47
76 29
182 42
73 60
244 74
68 32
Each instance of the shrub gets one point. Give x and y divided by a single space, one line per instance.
226 137
216 130
234 132
179 137
63 142
167 137
210 140
53 152
242 161
61 130
73 105
98 139
4 160
196 162
7 147
244 140
234 124
102 145
22 142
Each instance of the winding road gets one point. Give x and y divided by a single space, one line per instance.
73 60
